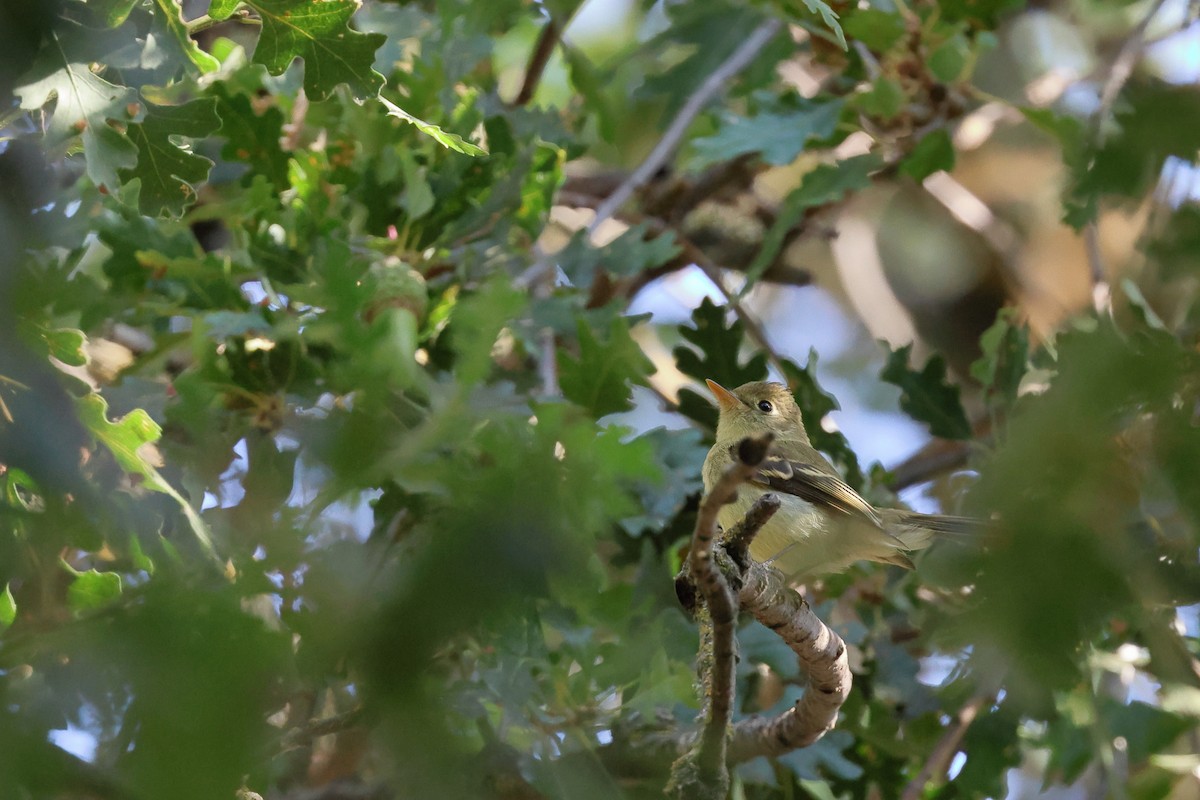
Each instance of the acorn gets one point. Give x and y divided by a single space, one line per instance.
392 283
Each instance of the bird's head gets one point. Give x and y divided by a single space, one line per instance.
756 408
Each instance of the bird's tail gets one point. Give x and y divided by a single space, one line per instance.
917 531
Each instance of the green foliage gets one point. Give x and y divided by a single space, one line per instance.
305 401
315 31
926 396
934 153
166 173
600 379
719 359
777 137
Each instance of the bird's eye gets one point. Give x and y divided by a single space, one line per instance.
765 406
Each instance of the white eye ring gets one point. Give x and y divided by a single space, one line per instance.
765 406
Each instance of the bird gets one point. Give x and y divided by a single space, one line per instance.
822 525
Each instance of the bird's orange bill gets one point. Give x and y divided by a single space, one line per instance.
726 399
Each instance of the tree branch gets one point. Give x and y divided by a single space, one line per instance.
943 752
703 771
822 654
547 41
738 60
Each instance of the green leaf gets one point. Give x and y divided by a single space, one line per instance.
8 609
1005 347
828 183
827 15
600 379
925 395
66 344
934 153
719 349
92 589
630 253
251 138
885 100
316 31
476 321
875 28
949 59
123 439
167 171
450 141
114 12
778 137
85 101
716 357
171 15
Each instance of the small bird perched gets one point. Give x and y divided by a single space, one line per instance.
822 525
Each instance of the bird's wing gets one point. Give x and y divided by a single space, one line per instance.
816 483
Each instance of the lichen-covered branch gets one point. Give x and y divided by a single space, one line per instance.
766 594
702 771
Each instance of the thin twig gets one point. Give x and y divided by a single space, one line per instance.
547 41
738 538
943 752
298 737
738 60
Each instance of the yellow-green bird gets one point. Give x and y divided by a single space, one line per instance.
822 525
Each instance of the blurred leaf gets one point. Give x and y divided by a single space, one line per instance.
601 378
476 322
885 99
949 59
124 439
67 345
823 759
925 395
316 31
778 137
85 101
90 590
251 137
630 253
8 608
879 30
828 183
168 172
1005 347
934 153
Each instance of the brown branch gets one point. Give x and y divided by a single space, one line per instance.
547 41
940 455
943 752
303 735
703 771
738 538
738 60
822 654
